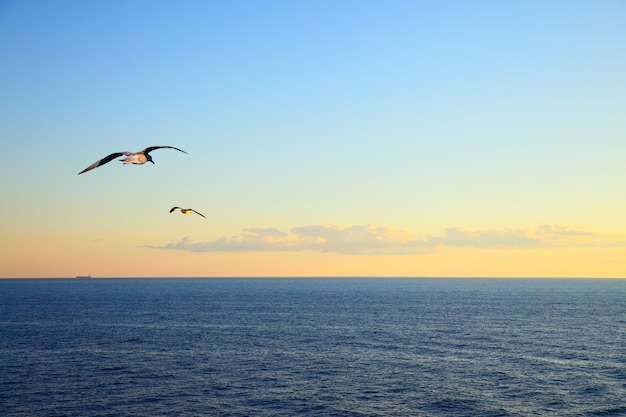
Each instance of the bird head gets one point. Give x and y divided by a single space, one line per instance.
149 158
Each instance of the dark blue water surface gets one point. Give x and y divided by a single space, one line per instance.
312 347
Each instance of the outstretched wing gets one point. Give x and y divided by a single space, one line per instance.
151 148
198 213
103 161
173 208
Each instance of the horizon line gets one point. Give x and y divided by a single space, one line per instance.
80 277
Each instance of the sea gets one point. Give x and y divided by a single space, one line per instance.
312 347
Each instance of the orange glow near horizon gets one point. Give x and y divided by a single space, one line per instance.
443 262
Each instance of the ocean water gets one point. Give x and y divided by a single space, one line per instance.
313 347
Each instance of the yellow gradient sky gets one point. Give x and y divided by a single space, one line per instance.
373 138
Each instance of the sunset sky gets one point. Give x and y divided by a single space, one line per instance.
324 138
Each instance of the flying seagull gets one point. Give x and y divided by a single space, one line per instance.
138 158
185 211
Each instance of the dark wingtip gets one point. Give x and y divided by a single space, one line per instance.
180 150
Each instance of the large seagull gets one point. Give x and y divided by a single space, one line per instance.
138 158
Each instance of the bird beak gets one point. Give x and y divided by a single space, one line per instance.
152 161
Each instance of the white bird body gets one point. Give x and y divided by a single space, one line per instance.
138 158
135 158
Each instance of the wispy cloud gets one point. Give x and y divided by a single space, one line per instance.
545 235
323 238
251 239
369 239
494 238
374 239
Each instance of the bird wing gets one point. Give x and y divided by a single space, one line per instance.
198 213
173 208
151 148
103 161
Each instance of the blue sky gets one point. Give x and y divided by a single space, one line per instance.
416 116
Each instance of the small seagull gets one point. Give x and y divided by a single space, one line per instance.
138 158
186 211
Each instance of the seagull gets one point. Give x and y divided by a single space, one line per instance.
138 158
185 211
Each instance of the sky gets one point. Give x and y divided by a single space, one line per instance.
324 138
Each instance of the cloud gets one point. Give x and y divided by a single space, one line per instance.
382 240
494 238
562 230
543 236
251 239
369 239
323 238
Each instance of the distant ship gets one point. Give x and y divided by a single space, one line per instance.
83 276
